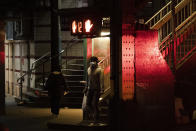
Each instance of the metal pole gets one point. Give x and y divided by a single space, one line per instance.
174 36
21 90
43 76
115 42
54 34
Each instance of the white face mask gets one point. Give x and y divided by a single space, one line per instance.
93 64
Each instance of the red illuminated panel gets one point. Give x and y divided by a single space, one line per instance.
80 27
2 57
154 79
89 47
107 70
88 26
74 27
178 41
127 65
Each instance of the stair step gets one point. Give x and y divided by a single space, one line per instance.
74 81
73 75
17 99
39 89
77 65
30 94
76 88
74 70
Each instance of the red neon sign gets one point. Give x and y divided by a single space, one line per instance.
88 26
74 27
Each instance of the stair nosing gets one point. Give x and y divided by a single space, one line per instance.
74 70
77 64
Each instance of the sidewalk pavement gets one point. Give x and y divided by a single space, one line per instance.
21 118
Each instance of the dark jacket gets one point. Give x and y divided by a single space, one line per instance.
56 84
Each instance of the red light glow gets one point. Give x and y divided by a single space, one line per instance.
74 27
88 26
2 57
89 47
107 70
154 78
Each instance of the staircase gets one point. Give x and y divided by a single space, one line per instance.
74 73
176 47
37 96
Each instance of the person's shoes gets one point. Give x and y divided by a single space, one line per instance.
91 124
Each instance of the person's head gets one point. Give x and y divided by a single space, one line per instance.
93 62
56 69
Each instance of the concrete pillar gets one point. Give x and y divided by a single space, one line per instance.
2 69
115 50
138 101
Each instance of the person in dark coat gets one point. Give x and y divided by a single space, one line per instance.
56 87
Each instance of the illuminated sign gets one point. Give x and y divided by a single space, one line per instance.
86 27
80 27
74 27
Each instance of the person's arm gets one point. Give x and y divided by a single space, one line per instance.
66 88
48 83
86 85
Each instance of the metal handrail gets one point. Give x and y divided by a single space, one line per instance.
182 25
178 28
30 71
177 8
69 46
158 12
102 60
105 94
20 80
39 59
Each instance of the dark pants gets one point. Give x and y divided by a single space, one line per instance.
55 104
55 100
92 103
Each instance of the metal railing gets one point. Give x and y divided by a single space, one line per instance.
163 15
68 46
102 63
182 49
36 64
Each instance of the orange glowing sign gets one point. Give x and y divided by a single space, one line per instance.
80 27
74 27
88 26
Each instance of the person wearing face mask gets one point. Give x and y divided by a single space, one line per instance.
94 89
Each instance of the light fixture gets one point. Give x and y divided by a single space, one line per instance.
105 33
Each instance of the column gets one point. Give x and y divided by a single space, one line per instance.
2 69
